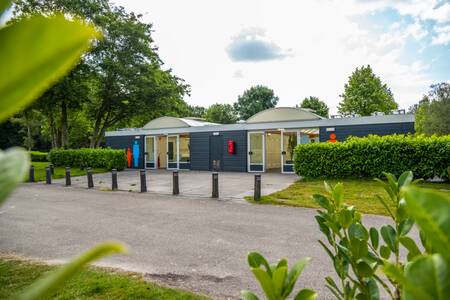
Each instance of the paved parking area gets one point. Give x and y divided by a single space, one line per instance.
232 185
183 241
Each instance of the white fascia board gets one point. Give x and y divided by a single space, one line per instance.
407 118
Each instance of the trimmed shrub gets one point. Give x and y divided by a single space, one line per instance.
83 158
38 156
426 157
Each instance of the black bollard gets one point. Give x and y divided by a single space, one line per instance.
176 183
215 185
68 181
114 186
48 175
143 181
52 169
31 175
89 178
257 194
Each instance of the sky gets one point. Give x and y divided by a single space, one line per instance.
299 48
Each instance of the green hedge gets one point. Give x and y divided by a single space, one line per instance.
94 158
426 157
38 156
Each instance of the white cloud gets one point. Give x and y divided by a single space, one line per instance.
442 36
327 45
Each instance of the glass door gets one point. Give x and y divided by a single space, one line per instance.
289 140
172 152
150 152
256 152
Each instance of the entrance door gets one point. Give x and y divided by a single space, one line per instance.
172 152
256 151
216 150
289 140
150 152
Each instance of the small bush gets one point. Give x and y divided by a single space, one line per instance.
39 156
94 158
427 157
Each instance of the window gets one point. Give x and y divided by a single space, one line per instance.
185 152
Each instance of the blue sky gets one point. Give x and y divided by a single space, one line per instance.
300 48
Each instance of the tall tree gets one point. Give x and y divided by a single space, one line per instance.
433 111
127 71
317 105
365 94
221 113
254 100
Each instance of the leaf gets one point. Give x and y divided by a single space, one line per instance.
431 274
306 294
333 285
409 244
357 231
249 295
293 276
44 287
338 194
255 260
374 237
363 269
278 277
405 179
56 45
431 212
405 226
385 206
389 236
4 4
396 275
14 164
322 201
372 288
266 283
385 252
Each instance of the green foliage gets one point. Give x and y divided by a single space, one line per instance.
221 113
60 46
254 100
37 156
45 286
318 106
433 110
14 166
118 82
365 94
427 157
276 280
86 157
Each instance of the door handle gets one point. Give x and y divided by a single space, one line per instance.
284 152
250 152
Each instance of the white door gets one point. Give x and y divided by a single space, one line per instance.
150 152
256 151
173 152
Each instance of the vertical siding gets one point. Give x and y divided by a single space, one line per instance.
343 132
236 162
200 151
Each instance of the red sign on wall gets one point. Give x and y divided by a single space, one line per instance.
231 147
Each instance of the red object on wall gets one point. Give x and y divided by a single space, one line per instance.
332 138
129 157
231 147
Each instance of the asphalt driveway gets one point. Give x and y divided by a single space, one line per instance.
184 241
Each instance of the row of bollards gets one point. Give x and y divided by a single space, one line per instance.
49 171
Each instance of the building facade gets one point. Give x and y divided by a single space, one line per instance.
263 143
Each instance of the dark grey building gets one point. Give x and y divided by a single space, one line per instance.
265 142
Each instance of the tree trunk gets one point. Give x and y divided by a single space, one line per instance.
64 133
29 135
53 136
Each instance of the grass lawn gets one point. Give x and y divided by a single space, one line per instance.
357 192
92 283
60 172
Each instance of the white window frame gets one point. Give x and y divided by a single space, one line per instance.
155 160
177 149
297 131
263 151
